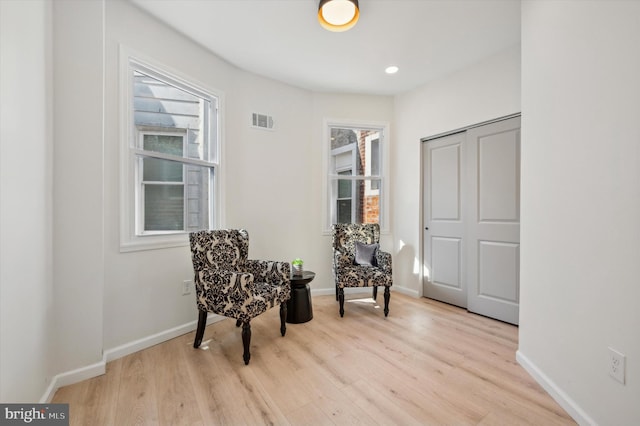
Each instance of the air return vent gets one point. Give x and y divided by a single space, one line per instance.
261 121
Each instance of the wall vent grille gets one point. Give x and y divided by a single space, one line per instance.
262 121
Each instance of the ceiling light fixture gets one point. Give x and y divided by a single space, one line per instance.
391 70
338 15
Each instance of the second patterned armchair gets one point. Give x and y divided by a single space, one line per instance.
229 284
358 261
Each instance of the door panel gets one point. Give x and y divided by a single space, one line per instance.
498 271
493 220
444 246
498 177
446 261
445 182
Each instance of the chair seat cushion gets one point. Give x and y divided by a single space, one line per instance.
363 276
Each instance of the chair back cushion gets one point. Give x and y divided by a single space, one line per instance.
345 236
225 249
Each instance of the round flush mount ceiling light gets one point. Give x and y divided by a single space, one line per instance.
392 69
338 15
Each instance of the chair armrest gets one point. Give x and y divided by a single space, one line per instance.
384 261
269 271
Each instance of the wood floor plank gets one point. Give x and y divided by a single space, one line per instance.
74 395
175 402
309 414
427 363
136 398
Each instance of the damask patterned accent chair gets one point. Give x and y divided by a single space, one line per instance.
359 262
229 284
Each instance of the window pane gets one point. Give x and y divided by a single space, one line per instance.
163 207
371 209
167 144
375 157
162 107
344 188
344 211
197 193
157 170
375 184
342 137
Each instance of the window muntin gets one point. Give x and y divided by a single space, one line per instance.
173 153
355 152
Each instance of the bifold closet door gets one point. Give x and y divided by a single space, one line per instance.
471 253
493 220
444 240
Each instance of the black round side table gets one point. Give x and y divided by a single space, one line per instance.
299 307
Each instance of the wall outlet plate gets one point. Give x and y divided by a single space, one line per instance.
616 365
186 287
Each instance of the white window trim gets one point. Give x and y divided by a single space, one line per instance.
328 209
129 241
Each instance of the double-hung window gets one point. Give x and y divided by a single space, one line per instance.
170 160
356 174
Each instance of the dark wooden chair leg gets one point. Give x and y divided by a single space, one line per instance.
387 296
375 292
336 292
341 299
238 323
202 323
283 318
246 341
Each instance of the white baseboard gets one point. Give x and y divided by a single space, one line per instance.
99 368
332 290
323 291
71 377
565 401
154 339
407 291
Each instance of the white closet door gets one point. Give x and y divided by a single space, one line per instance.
493 220
444 242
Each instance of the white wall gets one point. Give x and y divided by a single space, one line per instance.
484 91
26 285
581 203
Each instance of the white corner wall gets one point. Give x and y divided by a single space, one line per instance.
26 284
487 90
580 228
78 228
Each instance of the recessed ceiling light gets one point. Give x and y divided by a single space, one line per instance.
391 70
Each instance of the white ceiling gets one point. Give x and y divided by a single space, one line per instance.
282 39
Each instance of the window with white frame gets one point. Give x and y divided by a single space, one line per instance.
355 174
171 159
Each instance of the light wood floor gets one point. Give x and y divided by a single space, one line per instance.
427 363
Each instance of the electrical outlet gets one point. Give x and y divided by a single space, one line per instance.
616 365
186 287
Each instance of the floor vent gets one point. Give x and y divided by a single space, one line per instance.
262 121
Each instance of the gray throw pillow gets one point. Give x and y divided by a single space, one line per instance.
366 254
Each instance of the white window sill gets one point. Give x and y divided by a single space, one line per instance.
154 242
